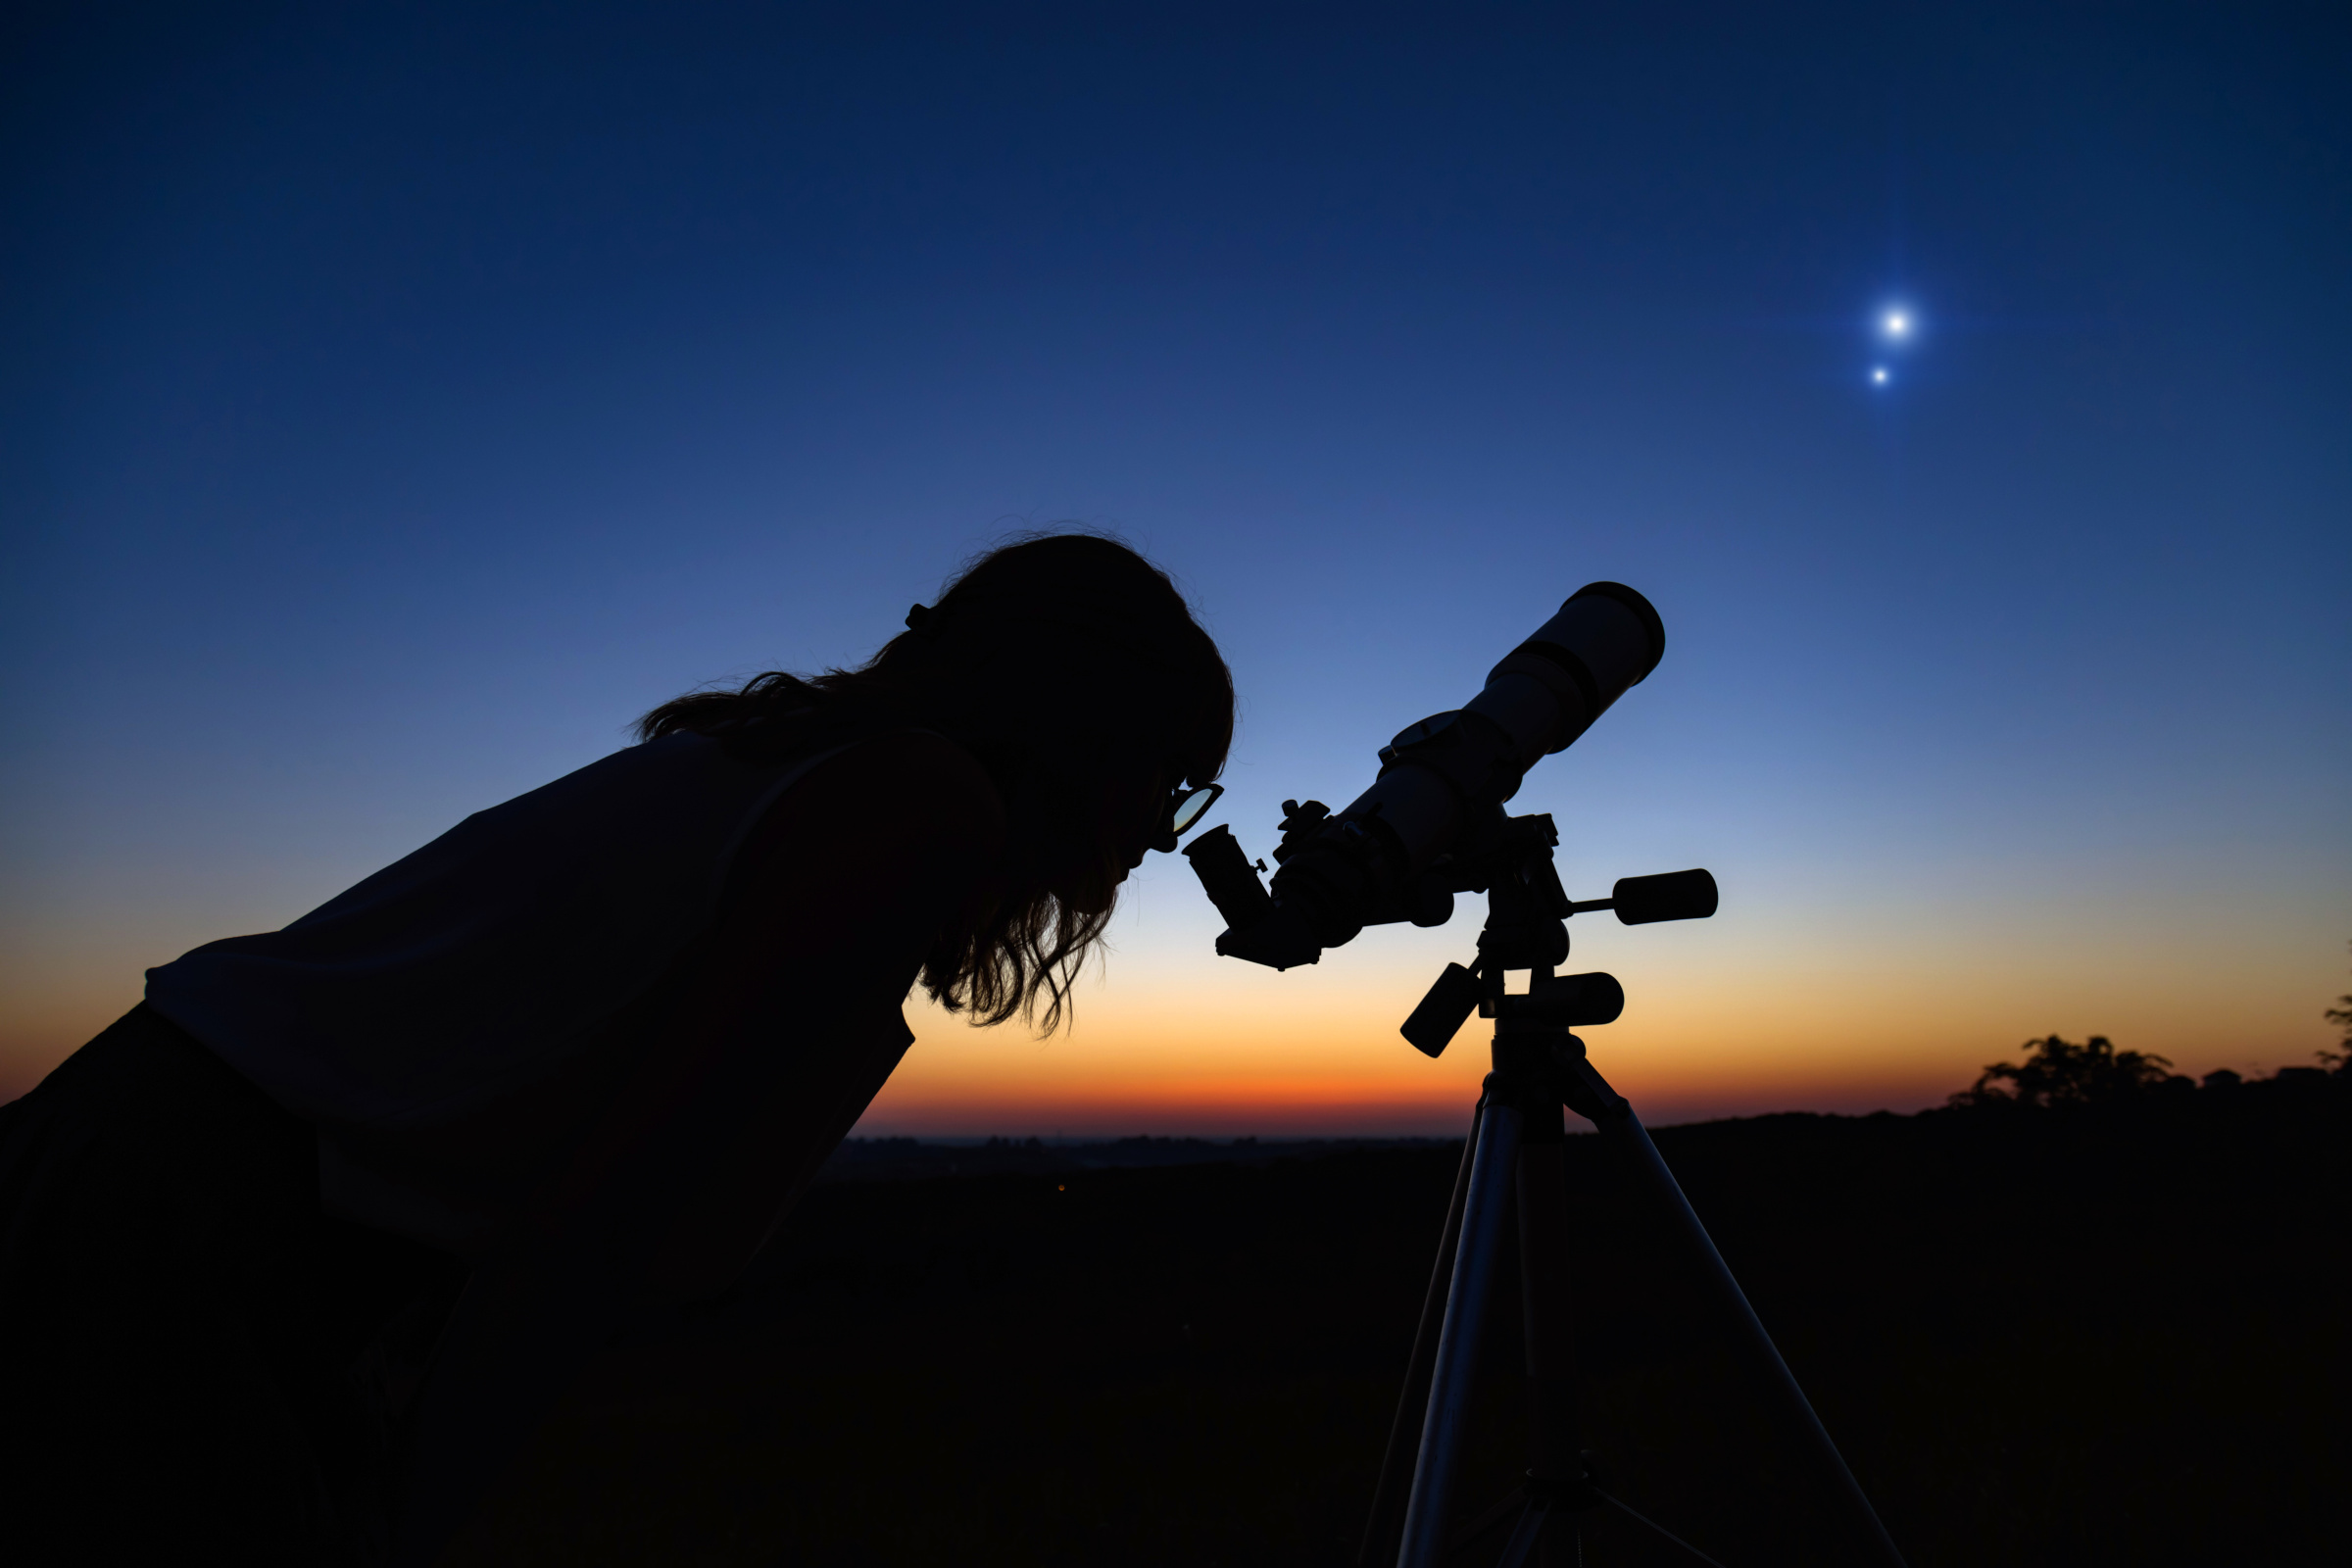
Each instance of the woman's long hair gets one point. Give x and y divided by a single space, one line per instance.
1052 661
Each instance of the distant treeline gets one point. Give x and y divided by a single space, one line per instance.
2058 1073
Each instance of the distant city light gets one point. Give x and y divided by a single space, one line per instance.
1878 378
1898 325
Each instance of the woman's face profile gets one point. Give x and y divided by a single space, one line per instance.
1128 799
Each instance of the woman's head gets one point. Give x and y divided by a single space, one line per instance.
1070 667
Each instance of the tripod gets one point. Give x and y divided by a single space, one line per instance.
1517 1139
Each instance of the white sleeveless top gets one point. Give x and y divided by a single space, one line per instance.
481 962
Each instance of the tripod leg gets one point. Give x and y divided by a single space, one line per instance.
1492 1169
1543 1280
1404 1431
1758 1356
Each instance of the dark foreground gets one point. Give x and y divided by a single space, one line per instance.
2040 1338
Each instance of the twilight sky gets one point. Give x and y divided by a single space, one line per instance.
397 400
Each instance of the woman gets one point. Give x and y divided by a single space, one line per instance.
298 1252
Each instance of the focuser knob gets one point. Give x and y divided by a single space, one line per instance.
1297 816
1299 823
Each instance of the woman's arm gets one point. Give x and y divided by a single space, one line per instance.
835 900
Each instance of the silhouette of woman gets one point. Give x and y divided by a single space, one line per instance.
298 1252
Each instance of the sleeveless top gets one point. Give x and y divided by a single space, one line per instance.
482 963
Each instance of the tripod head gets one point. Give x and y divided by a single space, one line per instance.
1527 928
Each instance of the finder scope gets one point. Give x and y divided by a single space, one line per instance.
1403 848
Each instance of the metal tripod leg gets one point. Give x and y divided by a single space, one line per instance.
1552 1447
1379 1549
1492 1164
1592 1096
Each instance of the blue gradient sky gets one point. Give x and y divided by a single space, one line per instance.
398 401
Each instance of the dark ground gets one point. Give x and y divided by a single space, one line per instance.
2108 1336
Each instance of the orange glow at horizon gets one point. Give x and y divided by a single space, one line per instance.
1146 1063
1717 1023
1736 1017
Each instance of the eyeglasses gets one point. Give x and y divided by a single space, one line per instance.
1185 808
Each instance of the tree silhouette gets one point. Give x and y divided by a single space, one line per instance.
2340 1058
2059 1072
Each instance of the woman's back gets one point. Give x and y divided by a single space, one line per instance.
481 976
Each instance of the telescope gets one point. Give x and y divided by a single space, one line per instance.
1433 825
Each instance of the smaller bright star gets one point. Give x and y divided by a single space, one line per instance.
1897 323
1878 377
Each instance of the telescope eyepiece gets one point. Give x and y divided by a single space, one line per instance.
1228 877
